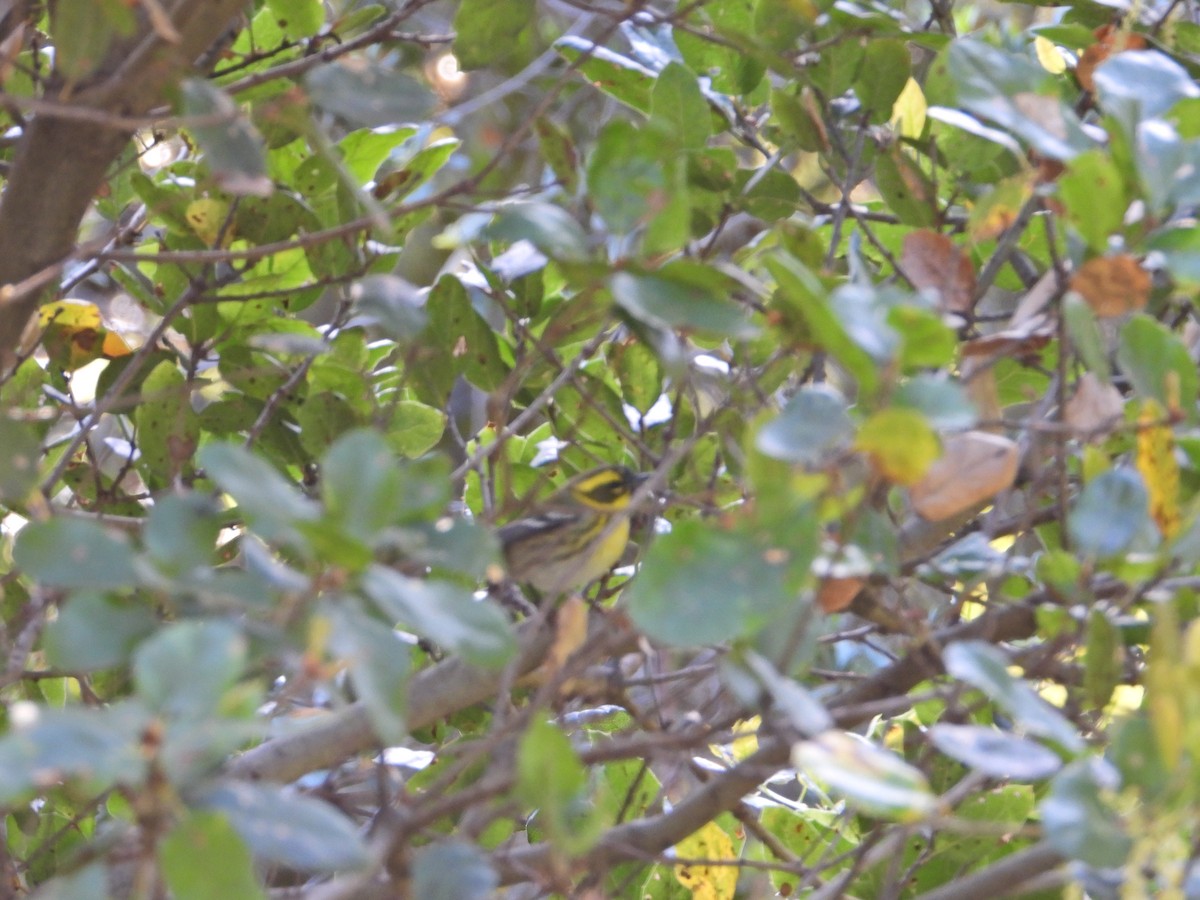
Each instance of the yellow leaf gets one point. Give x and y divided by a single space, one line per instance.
708 882
908 112
1159 468
1049 56
74 335
1166 685
900 443
207 217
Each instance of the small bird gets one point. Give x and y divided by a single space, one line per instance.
573 536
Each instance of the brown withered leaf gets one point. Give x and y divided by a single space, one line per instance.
835 594
933 261
1112 285
1110 40
1028 337
974 467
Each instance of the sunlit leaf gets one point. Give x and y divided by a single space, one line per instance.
995 753
714 882
871 779
900 444
985 667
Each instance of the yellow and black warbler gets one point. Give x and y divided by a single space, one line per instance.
573 536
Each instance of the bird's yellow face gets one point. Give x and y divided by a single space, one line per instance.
607 489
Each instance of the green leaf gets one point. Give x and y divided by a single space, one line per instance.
813 425
395 305
806 298
728 62
367 94
1158 364
994 753
323 417
986 668
1104 658
456 329
679 112
168 429
379 664
627 176
550 228
885 70
454 545
551 779
701 585
491 32
181 532
19 462
185 669
100 747
1112 511
299 18
1079 823
269 502
871 779
1084 332
448 615
1095 196
906 189
286 828
233 148
415 428
559 152
926 341
943 403
619 76
74 553
365 150
680 296
94 631
362 484
204 859
452 870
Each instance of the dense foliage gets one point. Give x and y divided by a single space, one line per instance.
894 301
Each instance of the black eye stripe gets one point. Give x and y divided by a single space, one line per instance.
608 491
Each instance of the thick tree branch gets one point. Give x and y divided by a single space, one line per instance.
649 837
435 693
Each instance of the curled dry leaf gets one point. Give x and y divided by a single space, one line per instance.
1112 285
1028 337
1094 407
933 261
835 594
974 467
